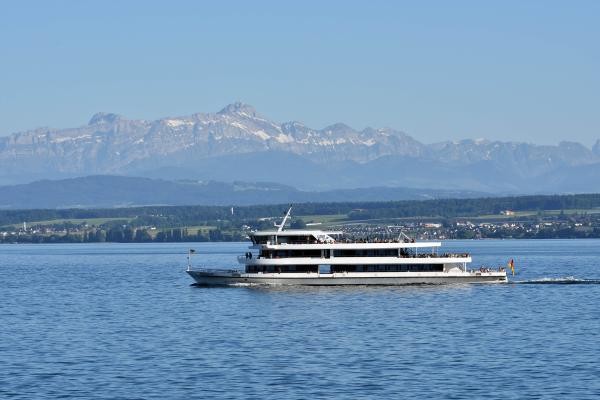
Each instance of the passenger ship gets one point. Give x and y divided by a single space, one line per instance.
316 257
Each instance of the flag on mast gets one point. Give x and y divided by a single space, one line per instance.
189 258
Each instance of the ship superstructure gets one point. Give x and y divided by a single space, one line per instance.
318 257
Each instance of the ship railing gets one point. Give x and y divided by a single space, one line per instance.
243 259
487 270
374 240
215 270
449 255
443 255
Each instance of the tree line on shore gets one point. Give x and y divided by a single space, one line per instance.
170 224
125 235
180 216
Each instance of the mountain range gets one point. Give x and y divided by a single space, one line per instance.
239 144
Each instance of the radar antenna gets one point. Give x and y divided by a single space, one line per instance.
282 225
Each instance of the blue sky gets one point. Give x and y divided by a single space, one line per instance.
439 70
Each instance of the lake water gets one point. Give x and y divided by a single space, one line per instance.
121 321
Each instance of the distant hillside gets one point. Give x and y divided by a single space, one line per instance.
585 205
239 144
119 191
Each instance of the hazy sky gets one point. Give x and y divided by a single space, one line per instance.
507 70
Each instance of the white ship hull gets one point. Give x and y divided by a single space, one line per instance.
326 258
215 277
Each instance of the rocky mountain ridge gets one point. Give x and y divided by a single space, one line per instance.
113 144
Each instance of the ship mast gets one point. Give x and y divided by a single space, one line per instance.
282 225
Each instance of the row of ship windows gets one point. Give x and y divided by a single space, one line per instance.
336 253
283 239
346 268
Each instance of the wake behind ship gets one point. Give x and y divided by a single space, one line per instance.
316 257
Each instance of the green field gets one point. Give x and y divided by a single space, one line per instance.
204 229
324 219
74 221
518 214
337 219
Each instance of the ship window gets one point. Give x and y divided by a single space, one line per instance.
390 268
294 239
366 253
324 269
260 239
291 253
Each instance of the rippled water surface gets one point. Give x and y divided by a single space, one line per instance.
122 321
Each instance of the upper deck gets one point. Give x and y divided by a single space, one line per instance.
317 239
